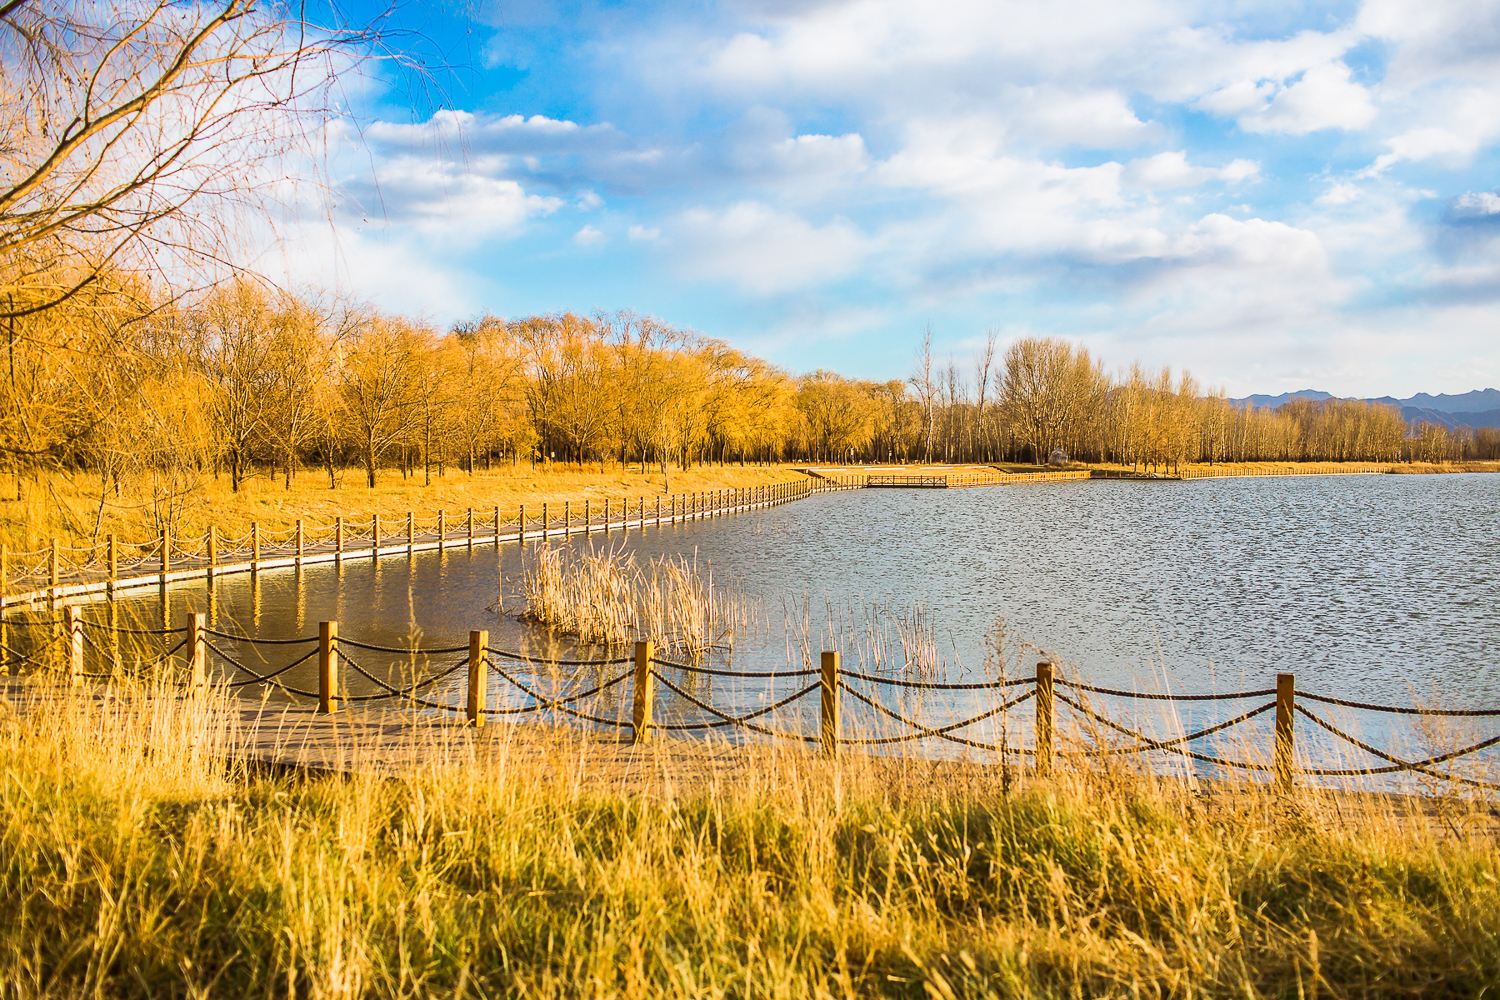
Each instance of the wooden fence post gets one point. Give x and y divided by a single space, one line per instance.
328 667
544 520
1045 706
166 553
1286 696
254 546
73 625
588 521
374 536
112 550
213 550
52 574
521 524
300 538
828 686
606 515
5 660
442 529
640 514
411 532
471 527
479 669
658 512
197 647
497 526
338 539
567 519
643 696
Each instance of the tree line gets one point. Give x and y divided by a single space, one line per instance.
248 379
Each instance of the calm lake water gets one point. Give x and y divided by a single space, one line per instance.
1378 588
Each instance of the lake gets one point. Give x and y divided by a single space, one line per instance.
1377 588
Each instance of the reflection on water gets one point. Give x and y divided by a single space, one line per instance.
1380 588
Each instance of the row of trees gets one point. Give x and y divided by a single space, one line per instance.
248 378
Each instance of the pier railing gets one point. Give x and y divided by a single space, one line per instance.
85 649
60 570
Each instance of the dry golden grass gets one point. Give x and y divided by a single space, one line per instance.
607 596
69 507
1205 470
136 862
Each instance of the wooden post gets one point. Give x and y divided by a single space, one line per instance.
588 521
442 528
300 538
1045 705
166 553
479 668
658 512
73 626
471 527
15 668
644 696
1286 699
197 647
338 539
521 524
640 514
497 526
374 536
411 532
544 520
328 667
52 571
828 686
567 519
606 515
213 550
112 558
254 546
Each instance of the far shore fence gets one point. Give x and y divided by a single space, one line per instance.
196 653
1256 470
61 571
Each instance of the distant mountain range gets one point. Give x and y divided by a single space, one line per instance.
1480 408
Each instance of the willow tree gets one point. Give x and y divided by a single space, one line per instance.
134 134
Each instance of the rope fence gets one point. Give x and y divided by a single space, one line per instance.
90 650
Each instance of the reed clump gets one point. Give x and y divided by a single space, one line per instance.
522 861
609 597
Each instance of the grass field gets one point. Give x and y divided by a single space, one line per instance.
135 862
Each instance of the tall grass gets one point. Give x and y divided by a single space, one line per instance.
610 597
521 861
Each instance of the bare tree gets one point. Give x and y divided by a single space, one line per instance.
926 388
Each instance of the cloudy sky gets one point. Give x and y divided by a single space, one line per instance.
1271 195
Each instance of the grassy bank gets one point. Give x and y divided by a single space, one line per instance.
1204 470
135 864
73 509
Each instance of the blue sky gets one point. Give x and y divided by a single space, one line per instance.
1271 195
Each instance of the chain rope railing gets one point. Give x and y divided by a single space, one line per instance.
885 697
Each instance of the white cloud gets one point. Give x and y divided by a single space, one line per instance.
763 250
1323 97
643 234
590 236
1341 193
1171 169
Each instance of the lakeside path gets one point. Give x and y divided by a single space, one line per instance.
294 740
